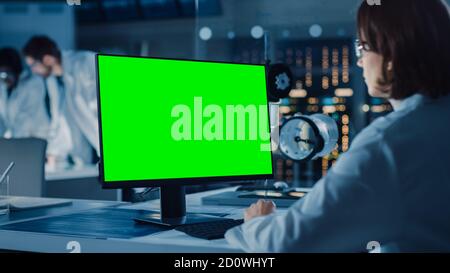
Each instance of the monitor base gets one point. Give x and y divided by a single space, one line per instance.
173 210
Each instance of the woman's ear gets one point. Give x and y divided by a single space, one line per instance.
390 66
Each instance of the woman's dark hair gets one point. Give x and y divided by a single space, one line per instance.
415 36
39 46
10 58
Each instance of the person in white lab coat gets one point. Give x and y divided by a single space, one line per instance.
391 189
21 99
71 84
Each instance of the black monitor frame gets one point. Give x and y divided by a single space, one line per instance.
178 182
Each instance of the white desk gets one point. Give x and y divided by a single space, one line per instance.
166 241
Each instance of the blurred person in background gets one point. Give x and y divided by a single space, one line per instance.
70 81
21 99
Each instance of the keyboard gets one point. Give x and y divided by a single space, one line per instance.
209 230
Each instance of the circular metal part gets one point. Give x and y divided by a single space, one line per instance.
308 137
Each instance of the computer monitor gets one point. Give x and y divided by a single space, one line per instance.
170 123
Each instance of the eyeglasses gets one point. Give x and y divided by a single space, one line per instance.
361 46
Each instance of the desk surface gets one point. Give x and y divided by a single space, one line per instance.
166 241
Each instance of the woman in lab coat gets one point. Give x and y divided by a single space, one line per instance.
391 190
21 99
70 81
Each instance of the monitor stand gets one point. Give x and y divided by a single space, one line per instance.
173 210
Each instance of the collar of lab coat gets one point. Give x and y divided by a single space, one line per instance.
66 56
408 103
23 77
67 67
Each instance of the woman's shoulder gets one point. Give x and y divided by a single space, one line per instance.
408 124
375 131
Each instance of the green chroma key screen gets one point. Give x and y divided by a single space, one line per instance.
169 119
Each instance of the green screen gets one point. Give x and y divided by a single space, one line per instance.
169 119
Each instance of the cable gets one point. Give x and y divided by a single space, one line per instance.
265 187
140 197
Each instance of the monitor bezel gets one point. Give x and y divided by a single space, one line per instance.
173 181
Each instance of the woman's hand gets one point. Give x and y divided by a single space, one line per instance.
260 208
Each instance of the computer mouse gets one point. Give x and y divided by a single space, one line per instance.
280 185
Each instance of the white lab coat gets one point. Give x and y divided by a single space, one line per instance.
59 138
78 111
392 187
23 114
